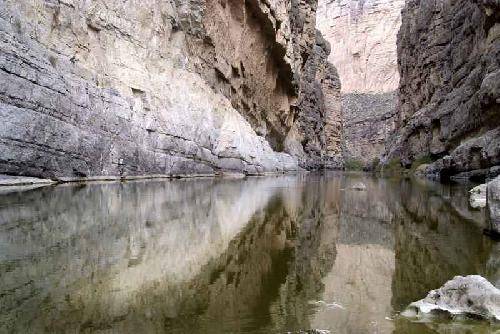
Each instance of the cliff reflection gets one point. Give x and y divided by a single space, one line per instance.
208 255
260 255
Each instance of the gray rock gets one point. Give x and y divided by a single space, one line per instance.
477 197
469 296
368 121
174 88
449 93
7 180
493 205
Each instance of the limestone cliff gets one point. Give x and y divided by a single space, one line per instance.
363 37
449 95
164 87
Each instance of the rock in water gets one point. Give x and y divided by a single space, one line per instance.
359 186
493 205
478 196
470 295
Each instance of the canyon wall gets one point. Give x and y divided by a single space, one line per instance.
124 88
449 95
363 38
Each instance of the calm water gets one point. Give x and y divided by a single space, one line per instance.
260 255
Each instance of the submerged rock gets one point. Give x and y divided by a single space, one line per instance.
359 186
493 205
477 198
471 296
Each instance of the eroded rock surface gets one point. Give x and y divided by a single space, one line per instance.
449 97
172 87
363 37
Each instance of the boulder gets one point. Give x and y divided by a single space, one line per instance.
477 198
493 205
472 296
359 186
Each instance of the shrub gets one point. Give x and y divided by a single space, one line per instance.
375 165
393 168
353 164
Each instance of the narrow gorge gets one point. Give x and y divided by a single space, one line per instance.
363 37
250 166
113 89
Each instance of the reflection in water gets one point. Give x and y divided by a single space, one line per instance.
233 256
361 278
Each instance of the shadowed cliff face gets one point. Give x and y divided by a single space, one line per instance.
160 87
363 38
266 255
449 91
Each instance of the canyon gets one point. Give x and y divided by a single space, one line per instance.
111 89
363 37
184 101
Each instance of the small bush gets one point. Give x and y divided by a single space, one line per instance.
375 165
426 159
353 164
393 168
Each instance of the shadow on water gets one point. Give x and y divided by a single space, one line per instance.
260 255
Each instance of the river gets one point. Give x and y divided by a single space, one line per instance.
274 254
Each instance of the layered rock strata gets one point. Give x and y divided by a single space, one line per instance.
368 122
170 88
449 95
363 36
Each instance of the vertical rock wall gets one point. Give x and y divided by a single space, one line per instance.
162 87
363 37
449 96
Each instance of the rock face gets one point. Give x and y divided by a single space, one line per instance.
172 87
493 205
363 37
449 95
471 295
368 121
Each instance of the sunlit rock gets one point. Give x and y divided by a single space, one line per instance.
469 296
110 88
478 196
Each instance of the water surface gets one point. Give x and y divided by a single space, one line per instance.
259 255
